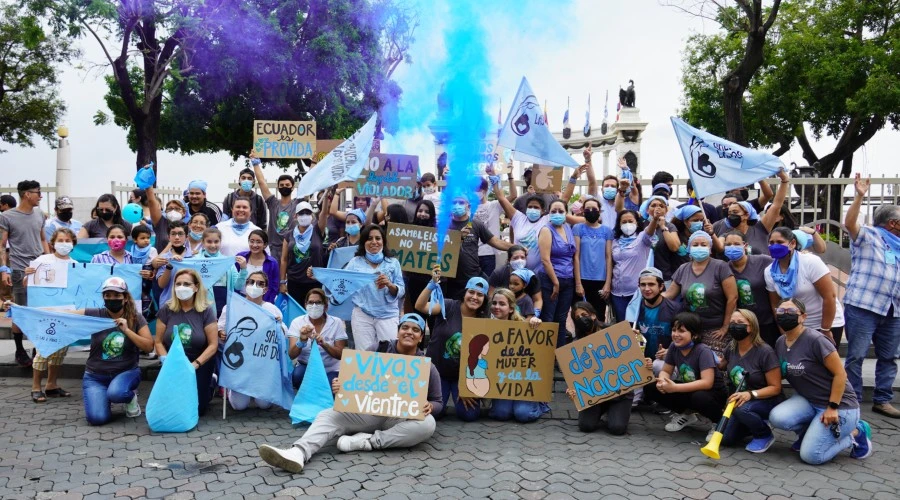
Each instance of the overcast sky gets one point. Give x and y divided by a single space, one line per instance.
586 47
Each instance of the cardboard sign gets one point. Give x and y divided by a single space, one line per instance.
546 179
385 385
509 360
284 140
416 248
49 275
604 365
388 176
493 159
325 146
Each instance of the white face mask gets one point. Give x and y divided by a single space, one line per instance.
315 311
174 215
517 264
184 292
63 248
629 229
304 220
254 291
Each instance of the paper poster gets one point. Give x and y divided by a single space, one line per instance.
493 159
381 384
277 140
49 275
388 176
84 283
546 179
604 365
416 249
506 360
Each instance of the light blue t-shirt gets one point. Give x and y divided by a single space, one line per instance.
593 250
373 301
53 224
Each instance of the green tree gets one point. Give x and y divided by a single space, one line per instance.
29 103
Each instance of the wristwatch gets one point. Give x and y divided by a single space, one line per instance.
754 394
833 405
170 267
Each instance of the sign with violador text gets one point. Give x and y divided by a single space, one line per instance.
278 140
417 250
388 176
604 365
381 384
501 359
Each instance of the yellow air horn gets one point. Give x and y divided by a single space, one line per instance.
711 449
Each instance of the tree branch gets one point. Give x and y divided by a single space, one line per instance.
96 37
808 153
772 14
784 147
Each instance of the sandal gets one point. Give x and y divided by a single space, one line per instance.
59 392
38 397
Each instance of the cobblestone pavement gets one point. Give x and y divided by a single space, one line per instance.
49 451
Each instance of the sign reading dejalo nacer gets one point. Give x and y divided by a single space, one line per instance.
506 360
604 365
284 140
388 176
385 385
417 250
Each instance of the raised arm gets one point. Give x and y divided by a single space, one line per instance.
260 177
774 211
508 207
851 221
323 214
153 205
334 209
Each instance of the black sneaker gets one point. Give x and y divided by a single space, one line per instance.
23 359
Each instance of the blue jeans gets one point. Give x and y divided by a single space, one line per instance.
556 311
522 411
750 420
300 371
451 388
620 305
865 326
818 444
101 390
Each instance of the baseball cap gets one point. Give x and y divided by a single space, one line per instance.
114 284
64 202
478 284
303 205
651 271
413 318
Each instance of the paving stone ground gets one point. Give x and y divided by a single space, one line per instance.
49 451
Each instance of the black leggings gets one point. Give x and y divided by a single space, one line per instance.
709 403
592 294
617 410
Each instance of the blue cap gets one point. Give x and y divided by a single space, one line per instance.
359 214
414 318
478 284
525 275
751 212
198 184
699 235
645 206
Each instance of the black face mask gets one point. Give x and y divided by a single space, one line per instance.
178 250
583 326
64 215
734 220
788 321
105 214
738 331
285 191
114 305
592 216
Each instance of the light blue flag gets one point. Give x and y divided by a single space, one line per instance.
86 248
255 359
211 269
716 165
314 394
172 406
343 163
339 284
50 331
289 307
340 257
528 136
634 305
84 283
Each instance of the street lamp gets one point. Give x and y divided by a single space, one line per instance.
63 163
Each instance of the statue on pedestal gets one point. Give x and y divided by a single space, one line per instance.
626 97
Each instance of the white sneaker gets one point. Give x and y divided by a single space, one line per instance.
702 422
356 442
133 408
680 420
290 460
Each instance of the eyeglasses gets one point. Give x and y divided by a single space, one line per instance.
311 303
38 192
258 283
787 310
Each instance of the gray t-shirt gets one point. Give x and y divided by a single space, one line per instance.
688 368
704 294
756 235
752 366
24 233
189 326
803 365
751 286
112 352
282 220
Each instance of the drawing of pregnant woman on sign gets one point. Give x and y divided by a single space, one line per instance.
476 376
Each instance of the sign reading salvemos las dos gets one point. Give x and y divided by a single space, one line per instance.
278 140
417 250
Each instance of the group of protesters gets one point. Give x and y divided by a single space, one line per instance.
727 300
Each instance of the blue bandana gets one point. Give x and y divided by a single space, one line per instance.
786 282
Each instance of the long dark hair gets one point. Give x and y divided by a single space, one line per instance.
397 214
364 236
117 210
476 345
431 220
129 311
637 217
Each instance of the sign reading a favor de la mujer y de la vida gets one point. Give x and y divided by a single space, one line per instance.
276 140
381 384
604 365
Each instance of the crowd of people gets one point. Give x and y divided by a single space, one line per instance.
728 301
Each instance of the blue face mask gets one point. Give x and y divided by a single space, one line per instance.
459 210
734 252
557 219
779 251
352 229
609 193
375 258
196 236
533 214
699 253
246 185
695 226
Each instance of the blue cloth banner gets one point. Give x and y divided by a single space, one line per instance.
314 394
528 136
340 257
289 307
84 283
716 165
145 177
343 163
211 269
172 406
50 331
339 284
255 359
86 248
634 305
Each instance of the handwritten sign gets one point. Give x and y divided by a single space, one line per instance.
283 139
49 275
506 360
604 365
493 159
386 385
416 249
325 146
84 282
546 179
388 176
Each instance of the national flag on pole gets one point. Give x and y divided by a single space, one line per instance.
343 163
528 136
566 119
716 165
51 330
587 118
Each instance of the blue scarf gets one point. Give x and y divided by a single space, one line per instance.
303 239
891 240
240 229
139 255
786 283
437 297
624 241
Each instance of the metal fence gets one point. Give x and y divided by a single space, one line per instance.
48 196
123 191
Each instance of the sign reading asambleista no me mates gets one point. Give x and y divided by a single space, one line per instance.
417 250
276 140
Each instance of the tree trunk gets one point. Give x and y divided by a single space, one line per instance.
147 132
733 105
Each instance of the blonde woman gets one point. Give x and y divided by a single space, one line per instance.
188 316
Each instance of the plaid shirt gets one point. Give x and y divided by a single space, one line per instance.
874 285
106 258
